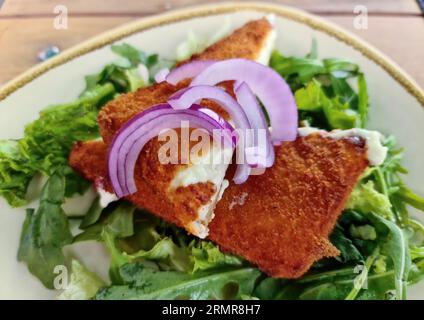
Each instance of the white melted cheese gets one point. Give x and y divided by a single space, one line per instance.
269 43
206 169
265 53
376 152
105 197
225 184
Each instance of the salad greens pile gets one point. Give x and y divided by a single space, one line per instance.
45 147
381 246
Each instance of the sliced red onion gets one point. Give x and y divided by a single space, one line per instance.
224 124
195 94
188 71
130 140
254 113
161 75
267 84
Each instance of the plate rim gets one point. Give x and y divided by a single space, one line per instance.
146 23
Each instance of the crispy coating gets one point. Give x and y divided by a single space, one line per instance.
179 206
280 220
246 42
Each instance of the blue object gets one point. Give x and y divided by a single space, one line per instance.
48 52
421 4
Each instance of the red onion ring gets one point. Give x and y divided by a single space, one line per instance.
267 84
251 107
161 75
195 94
188 71
130 140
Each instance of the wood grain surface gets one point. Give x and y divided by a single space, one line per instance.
396 27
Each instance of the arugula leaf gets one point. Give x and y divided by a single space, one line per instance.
348 251
313 99
45 232
92 215
323 93
341 68
128 75
378 288
145 283
362 100
362 278
123 79
407 195
416 273
365 232
297 71
146 238
313 53
134 56
395 246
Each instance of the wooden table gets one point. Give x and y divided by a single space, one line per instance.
26 26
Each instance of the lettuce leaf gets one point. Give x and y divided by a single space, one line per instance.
84 284
48 140
366 198
323 90
143 283
312 98
46 145
205 256
134 236
395 246
45 232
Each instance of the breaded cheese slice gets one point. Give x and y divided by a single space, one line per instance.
183 194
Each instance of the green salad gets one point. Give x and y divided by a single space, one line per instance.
381 245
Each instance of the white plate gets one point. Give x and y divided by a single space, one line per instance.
397 102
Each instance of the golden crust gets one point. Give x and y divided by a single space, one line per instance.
246 42
179 206
281 220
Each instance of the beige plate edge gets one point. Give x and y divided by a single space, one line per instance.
198 11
